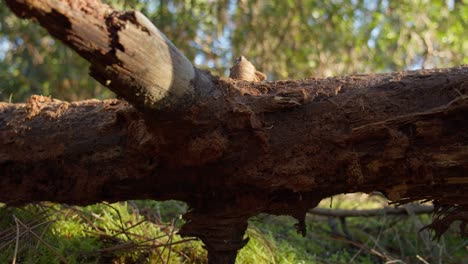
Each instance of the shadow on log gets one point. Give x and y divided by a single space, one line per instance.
229 148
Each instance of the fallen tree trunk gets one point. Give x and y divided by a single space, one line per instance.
234 148
240 162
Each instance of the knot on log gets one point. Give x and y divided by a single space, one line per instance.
245 70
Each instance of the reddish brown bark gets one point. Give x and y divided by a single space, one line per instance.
237 148
244 152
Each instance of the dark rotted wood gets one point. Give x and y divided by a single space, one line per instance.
373 133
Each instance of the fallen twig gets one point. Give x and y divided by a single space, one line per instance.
415 208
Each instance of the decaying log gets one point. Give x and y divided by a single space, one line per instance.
229 148
249 151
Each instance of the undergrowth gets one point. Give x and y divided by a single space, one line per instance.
146 232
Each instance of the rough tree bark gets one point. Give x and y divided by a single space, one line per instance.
229 148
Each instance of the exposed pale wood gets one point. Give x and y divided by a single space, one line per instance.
127 52
245 70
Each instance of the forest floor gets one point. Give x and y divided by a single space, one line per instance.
146 232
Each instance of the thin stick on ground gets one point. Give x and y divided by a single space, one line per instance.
421 259
169 241
21 233
62 258
17 240
416 209
121 225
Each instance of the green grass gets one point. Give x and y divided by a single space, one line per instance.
101 233
145 232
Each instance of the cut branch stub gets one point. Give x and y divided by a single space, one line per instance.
244 70
128 54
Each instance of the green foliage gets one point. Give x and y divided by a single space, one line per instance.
373 240
135 232
32 62
324 38
101 233
285 39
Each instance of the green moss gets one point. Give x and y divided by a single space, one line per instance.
140 231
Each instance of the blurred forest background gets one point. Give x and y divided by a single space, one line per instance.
286 39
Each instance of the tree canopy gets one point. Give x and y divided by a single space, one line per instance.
284 39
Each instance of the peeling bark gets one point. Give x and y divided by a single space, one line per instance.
229 148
